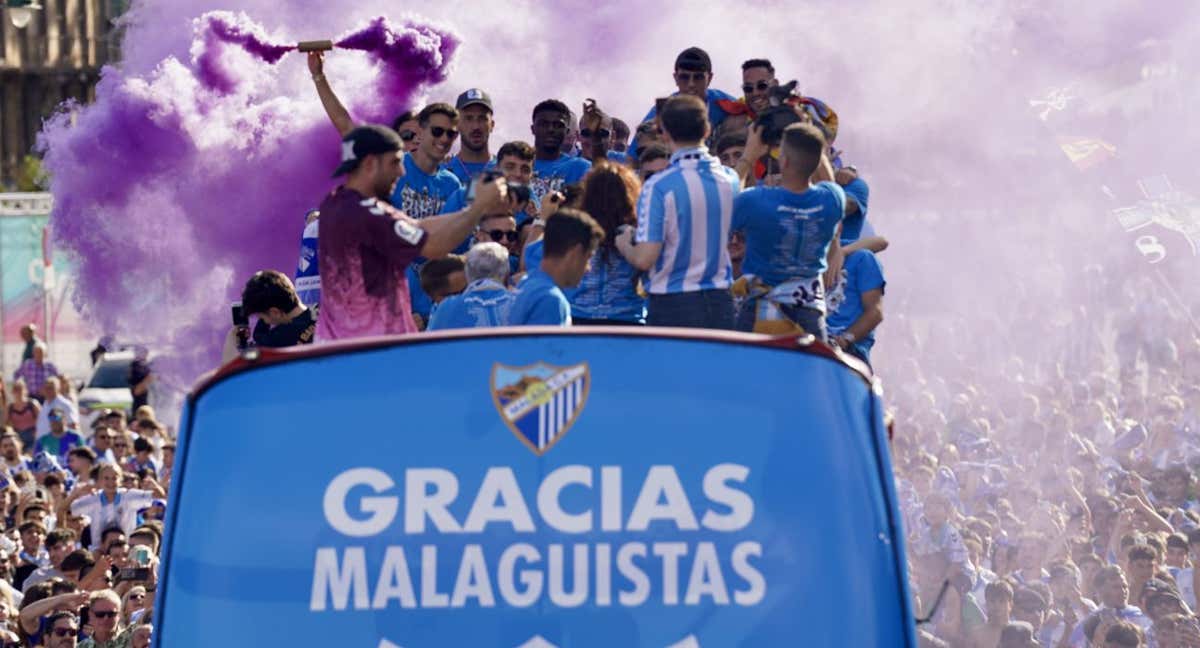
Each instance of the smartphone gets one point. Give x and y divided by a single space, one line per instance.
239 315
141 555
133 574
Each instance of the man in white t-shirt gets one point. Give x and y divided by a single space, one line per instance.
109 506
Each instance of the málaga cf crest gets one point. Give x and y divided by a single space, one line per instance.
540 402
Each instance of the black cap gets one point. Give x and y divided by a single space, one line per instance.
693 58
472 97
366 140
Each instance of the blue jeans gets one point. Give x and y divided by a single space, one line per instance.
701 309
809 319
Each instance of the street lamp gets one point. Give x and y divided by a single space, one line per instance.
20 12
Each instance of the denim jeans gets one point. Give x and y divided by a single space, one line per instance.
701 309
809 319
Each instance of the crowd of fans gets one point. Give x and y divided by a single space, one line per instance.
1049 496
1047 442
720 213
84 494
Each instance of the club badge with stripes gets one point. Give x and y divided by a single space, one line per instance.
540 402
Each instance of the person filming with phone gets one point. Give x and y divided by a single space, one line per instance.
283 320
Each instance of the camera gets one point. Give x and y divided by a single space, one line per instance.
520 192
780 115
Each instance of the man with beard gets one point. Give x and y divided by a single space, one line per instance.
475 121
366 244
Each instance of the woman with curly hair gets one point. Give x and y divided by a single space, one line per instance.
608 293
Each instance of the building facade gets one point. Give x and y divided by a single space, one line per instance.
56 57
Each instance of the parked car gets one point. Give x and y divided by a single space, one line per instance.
106 388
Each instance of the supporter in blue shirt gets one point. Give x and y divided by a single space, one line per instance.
856 304
439 279
552 170
857 196
424 188
683 217
596 135
620 142
486 301
789 233
475 119
693 74
608 292
570 240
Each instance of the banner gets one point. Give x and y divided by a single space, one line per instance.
536 490
35 286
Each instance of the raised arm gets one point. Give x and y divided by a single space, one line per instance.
31 613
333 106
446 232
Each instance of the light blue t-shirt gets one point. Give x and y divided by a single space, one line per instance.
608 290
553 175
852 227
533 260
619 158
484 303
466 171
421 195
861 272
539 301
788 234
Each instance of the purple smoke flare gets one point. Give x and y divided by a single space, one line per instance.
168 195
404 56
220 28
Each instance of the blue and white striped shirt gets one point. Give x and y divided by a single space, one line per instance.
688 208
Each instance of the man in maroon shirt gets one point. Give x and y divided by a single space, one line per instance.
365 244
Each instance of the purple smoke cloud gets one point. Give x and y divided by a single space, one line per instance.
176 185
221 28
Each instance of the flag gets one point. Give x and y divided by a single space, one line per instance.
1086 152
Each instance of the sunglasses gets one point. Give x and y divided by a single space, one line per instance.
602 133
438 131
688 77
499 235
104 615
751 87
137 597
66 632
407 135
